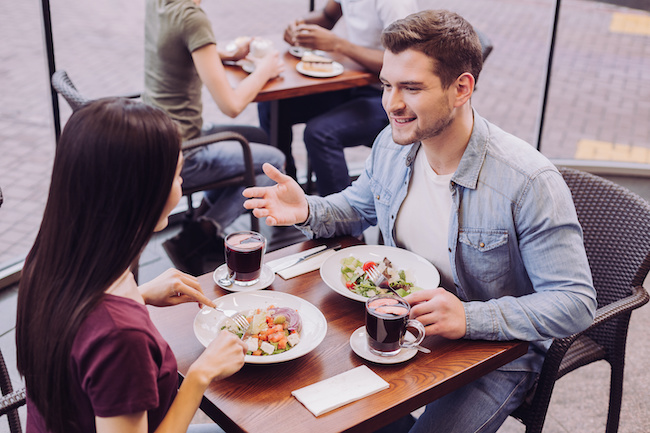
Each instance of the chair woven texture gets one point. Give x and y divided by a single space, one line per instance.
616 226
11 400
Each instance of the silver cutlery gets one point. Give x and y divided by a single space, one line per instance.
379 279
284 265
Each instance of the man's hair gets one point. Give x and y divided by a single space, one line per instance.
446 37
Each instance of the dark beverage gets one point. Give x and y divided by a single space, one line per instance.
244 254
386 320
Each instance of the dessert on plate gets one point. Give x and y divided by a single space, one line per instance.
314 62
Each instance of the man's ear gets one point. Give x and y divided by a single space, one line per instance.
464 86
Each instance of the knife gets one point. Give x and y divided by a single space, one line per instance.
295 261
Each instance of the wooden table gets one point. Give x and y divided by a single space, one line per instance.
258 398
292 83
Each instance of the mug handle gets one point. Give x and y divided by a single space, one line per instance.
418 338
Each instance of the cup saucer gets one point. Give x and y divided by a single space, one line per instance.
359 345
266 279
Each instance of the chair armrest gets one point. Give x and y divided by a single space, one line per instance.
12 401
638 298
249 174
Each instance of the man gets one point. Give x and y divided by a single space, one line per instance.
491 213
180 56
339 119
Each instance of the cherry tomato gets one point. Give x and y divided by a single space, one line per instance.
368 265
349 284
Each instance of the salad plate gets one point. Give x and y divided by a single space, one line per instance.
418 270
267 277
359 345
209 322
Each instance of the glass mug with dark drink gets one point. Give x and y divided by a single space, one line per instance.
244 257
387 320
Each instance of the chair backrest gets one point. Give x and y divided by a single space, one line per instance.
11 400
616 225
64 86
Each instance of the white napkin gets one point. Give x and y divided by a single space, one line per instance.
340 390
311 264
273 263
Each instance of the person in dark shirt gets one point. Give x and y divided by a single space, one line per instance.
91 357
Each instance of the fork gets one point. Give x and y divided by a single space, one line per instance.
236 317
379 279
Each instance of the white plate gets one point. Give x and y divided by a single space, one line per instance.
418 269
300 51
359 345
208 322
266 279
338 70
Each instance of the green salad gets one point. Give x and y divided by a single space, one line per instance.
356 278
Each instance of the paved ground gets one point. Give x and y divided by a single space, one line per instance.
599 106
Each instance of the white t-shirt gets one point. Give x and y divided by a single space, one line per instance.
422 224
364 27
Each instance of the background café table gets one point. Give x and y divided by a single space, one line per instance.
292 83
258 398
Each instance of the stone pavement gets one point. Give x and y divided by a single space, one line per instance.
599 100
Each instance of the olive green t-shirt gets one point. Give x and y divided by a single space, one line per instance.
173 30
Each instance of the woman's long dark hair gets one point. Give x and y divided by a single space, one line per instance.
112 174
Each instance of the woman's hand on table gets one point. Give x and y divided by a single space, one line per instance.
282 204
173 287
440 311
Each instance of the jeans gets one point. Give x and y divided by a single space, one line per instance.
481 406
334 120
223 160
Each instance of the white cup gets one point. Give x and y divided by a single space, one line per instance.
260 47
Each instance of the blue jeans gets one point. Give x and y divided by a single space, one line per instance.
481 406
221 161
334 121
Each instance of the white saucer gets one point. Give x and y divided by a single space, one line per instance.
359 345
247 65
298 51
266 279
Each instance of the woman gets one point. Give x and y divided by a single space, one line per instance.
91 358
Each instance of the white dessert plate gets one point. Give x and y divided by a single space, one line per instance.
418 269
300 51
266 279
208 322
359 345
337 70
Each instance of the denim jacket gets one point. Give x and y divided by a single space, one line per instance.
515 244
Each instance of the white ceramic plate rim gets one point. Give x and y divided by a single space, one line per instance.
419 270
298 51
266 279
359 345
338 70
207 322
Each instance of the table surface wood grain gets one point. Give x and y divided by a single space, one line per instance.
258 397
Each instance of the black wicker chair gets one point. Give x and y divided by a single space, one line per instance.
616 225
11 399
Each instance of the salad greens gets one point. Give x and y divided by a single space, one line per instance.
357 279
